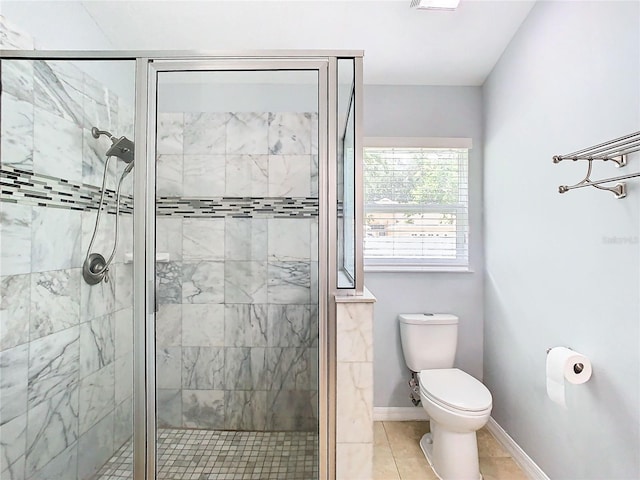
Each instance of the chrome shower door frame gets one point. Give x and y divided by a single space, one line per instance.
145 455
148 64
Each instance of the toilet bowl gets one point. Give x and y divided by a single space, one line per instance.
458 405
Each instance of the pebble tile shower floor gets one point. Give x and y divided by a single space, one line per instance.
222 455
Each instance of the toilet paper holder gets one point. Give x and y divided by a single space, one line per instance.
577 367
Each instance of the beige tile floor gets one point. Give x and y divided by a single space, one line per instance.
397 454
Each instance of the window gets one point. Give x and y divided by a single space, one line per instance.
416 204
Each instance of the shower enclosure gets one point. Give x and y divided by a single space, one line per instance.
208 346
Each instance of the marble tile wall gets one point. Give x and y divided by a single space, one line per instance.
237 327
65 346
354 389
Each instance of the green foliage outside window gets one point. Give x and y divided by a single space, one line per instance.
411 176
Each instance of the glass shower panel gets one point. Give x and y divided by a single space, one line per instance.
346 270
237 273
65 346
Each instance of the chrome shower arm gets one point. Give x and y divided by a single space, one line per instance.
96 133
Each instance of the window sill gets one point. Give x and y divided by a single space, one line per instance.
418 268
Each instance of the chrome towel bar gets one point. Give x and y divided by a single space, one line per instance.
615 150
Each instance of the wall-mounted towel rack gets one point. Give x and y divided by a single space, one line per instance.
614 150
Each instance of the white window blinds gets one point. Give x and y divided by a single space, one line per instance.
416 206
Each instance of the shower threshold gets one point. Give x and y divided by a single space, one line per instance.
224 455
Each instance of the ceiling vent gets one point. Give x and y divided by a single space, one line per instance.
435 4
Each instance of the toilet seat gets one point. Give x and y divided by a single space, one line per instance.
455 390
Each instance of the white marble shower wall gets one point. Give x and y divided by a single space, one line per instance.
65 346
237 327
354 386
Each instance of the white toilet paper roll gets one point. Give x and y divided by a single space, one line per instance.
563 364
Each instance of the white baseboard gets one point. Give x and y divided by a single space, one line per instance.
398 414
519 456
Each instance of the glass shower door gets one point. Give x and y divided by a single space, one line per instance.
237 325
65 345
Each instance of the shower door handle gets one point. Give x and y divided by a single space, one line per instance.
153 302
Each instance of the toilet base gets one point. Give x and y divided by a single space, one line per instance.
426 445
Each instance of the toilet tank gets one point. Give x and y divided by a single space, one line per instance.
429 340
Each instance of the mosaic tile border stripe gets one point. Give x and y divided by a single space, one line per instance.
29 188
237 207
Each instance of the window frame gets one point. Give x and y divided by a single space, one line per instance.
400 264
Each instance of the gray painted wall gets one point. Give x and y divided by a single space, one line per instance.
393 111
563 270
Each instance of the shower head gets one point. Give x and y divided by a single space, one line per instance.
121 147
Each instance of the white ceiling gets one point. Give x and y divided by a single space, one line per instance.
402 46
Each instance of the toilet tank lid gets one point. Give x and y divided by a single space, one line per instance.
430 318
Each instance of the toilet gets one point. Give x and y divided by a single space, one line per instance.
457 404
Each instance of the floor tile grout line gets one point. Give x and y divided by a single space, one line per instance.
393 456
